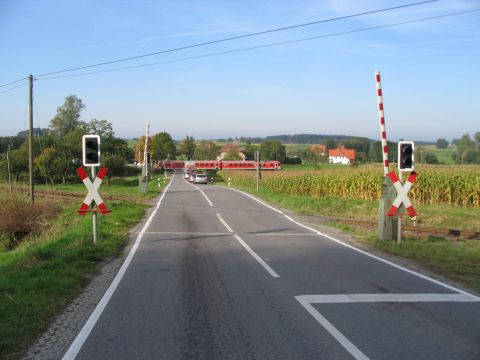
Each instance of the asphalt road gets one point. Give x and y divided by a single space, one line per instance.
217 275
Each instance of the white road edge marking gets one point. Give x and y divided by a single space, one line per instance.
257 200
307 300
224 223
360 251
82 336
383 260
256 257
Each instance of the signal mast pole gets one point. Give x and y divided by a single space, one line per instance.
30 137
145 160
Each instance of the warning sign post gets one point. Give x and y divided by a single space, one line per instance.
91 158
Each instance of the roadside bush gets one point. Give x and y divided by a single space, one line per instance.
18 218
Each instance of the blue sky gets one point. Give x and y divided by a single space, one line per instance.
430 70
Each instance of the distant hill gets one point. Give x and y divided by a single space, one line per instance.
36 132
308 138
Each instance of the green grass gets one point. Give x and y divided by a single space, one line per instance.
45 272
428 215
127 186
296 148
456 260
444 156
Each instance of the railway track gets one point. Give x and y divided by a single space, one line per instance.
407 229
421 230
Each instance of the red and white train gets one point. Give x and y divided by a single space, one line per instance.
222 164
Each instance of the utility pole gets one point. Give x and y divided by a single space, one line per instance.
257 163
30 138
9 175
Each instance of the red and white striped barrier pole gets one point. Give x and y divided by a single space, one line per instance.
381 115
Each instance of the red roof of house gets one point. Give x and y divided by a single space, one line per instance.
342 152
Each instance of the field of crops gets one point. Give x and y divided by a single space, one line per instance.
435 185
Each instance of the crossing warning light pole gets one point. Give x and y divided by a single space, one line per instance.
143 180
91 158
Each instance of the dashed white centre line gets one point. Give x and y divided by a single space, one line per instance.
249 249
224 223
204 195
256 257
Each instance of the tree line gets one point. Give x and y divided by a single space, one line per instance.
58 150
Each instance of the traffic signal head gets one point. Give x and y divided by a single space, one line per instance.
406 151
91 150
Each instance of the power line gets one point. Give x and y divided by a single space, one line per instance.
13 82
265 45
13 88
239 37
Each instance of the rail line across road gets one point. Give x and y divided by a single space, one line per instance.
218 274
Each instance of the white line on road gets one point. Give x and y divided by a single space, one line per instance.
383 260
280 234
182 233
347 344
224 223
204 195
77 344
308 300
369 298
249 249
257 200
256 257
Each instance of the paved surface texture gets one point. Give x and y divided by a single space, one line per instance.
218 275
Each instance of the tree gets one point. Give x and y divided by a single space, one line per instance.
315 154
117 146
330 143
116 165
140 148
187 147
232 155
465 145
102 128
249 151
441 143
431 159
477 138
51 164
19 162
272 150
206 150
68 116
375 153
163 147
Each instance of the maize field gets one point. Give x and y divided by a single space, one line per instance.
435 185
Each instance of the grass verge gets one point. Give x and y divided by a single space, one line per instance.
44 273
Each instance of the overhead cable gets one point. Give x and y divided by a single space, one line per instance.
265 45
239 37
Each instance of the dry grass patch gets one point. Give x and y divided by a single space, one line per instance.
19 218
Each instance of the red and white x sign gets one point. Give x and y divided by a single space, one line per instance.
92 191
402 194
